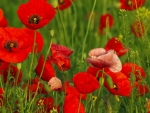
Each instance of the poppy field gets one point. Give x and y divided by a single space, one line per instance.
74 56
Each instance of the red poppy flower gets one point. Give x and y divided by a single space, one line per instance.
106 20
101 58
62 49
4 67
97 72
3 20
72 105
36 14
15 44
85 82
72 90
129 68
117 46
64 4
131 4
60 60
138 29
33 87
121 84
13 73
34 81
39 39
48 72
141 89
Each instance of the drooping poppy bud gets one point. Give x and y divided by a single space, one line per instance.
55 83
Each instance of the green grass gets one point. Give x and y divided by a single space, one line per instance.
71 30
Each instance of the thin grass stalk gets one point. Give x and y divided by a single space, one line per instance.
74 24
41 72
87 30
65 33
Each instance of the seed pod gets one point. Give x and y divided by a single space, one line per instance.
109 81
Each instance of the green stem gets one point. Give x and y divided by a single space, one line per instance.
61 19
41 73
74 23
87 30
32 57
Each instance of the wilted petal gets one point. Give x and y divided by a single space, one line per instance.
55 83
116 64
97 62
62 49
97 52
60 60
108 59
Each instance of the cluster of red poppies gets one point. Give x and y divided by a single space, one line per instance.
17 43
137 27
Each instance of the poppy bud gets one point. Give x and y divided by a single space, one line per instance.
109 81
51 32
101 80
18 66
55 83
46 87
54 3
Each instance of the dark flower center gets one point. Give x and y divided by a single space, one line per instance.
129 3
61 2
34 19
116 87
10 44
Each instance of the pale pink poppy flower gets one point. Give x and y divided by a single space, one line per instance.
55 83
101 58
